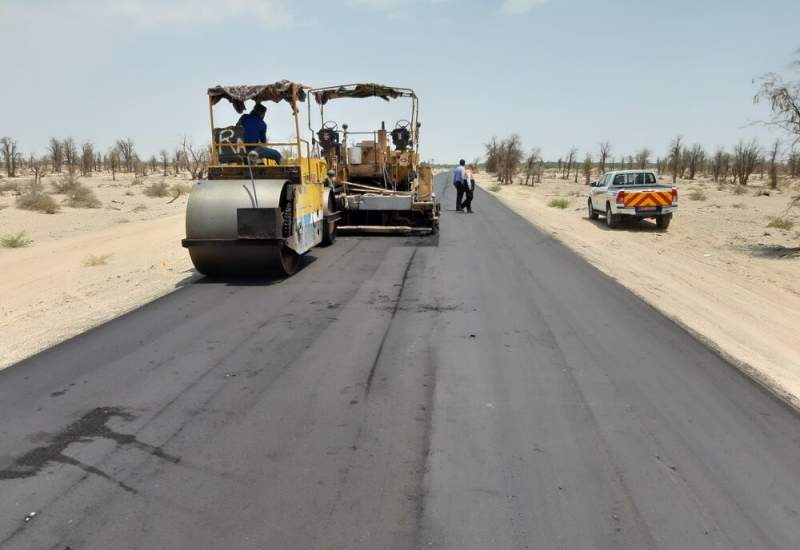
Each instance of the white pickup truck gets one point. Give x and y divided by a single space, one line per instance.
635 193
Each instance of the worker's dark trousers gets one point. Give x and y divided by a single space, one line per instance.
468 201
459 194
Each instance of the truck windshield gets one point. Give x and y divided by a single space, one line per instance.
635 178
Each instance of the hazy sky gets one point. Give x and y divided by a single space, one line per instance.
558 72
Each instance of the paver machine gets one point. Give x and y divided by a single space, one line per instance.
253 215
382 187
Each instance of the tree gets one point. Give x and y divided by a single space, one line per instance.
793 164
531 165
772 169
694 158
8 146
197 158
783 98
164 156
127 152
56 154
745 157
510 158
717 164
113 161
70 154
570 161
87 158
587 168
605 151
643 159
675 157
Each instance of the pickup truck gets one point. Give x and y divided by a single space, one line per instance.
634 193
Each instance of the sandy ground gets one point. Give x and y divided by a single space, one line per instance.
49 293
718 271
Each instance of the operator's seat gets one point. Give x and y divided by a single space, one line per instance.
229 142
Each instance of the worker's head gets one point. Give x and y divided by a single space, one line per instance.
331 173
260 110
462 162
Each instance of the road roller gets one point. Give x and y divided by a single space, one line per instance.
263 204
382 186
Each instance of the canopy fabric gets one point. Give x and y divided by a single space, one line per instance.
360 91
237 95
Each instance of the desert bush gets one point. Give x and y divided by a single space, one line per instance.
137 181
697 195
558 203
739 190
66 184
495 188
19 240
179 189
38 202
91 260
781 223
83 197
740 205
139 208
12 186
157 189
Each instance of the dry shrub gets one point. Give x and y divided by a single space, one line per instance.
38 202
739 189
740 205
137 181
495 188
559 203
82 197
781 223
129 193
157 189
697 195
139 208
19 240
91 260
179 189
66 184
12 186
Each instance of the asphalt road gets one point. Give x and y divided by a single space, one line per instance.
483 389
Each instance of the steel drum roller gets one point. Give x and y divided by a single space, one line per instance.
212 230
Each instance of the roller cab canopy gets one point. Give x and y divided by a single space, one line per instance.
323 95
283 90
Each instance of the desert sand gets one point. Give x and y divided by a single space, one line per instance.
51 290
718 270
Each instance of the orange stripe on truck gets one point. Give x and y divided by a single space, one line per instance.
648 198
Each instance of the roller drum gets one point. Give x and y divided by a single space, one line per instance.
211 219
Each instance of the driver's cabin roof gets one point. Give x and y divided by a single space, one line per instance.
277 92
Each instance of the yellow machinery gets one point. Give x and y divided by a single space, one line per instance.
381 186
253 215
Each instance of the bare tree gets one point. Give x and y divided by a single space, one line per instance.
164 160
197 158
531 165
492 155
643 159
605 151
39 169
773 164
587 168
70 154
745 157
675 155
87 158
8 147
793 164
693 158
570 161
56 154
127 152
783 98
511 157
717 164
113 161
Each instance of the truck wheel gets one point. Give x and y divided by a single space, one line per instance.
592 212
662 222
612 220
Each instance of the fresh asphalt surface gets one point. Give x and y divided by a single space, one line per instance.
483 389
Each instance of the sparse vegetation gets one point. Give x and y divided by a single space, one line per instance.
157 189
18 240
495 188
66 184
740 205
12 186
179 189
781 223
83 197
697 195
559 203
739 190
139 208
92 261
38 202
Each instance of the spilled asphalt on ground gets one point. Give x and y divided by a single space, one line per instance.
483 388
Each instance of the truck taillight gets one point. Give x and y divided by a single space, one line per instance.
621 197
674 195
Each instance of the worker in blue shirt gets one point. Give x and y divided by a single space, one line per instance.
458 182
255 131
